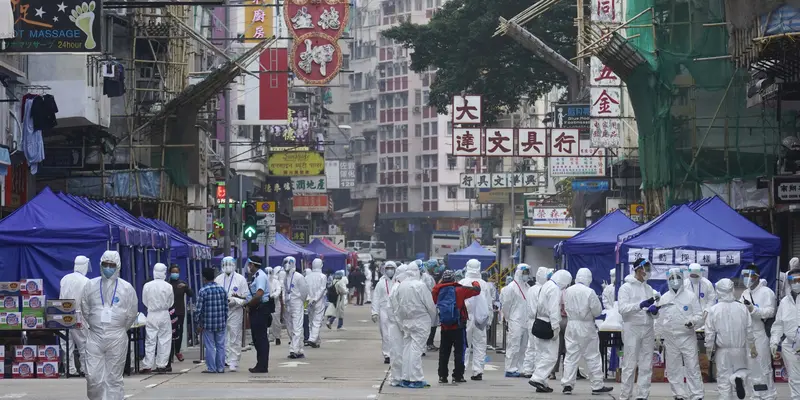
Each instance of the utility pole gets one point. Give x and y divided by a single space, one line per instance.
226 244
579 43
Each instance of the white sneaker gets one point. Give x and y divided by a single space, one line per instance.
232 368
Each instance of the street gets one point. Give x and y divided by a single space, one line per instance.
347 366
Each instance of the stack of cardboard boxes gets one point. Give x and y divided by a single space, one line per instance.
35 362
22 305
660 367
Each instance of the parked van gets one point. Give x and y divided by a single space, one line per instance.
376 249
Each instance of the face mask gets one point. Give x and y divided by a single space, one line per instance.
390 273
694 279
796 287
227 269
675 284
647 275
108 272
174 276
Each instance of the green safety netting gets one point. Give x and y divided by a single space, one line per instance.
690 102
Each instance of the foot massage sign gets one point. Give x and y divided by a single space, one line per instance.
56 26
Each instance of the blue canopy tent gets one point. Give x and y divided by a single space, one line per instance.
594 246
333 260
307 255
190 255
42 238
682 233
766 246
458 259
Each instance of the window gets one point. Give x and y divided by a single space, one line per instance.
418 130
418 97
383 164
405 162
426 193
417 5
389 194
240 112
425 97
434 193
426 129
471 193
452 192
429 3
418 162
434 129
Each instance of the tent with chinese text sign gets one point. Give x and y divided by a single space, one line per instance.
332 260
766 246
679 239
594 246
458 259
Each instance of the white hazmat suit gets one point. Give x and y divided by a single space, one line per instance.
380 305
367 283
276 292
702 287
412 304
580 337
72 286
158 297
729 333
317 282
787 322
760 302
295 293
394 331
548 309
680 315
515 312
638 335
476 338
235 285
609 291
533 293
109 305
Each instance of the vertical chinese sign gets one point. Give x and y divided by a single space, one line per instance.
606 92
258 19
316 27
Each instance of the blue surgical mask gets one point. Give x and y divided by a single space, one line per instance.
108 272
174 276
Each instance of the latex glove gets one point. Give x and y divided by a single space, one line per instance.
658 341
750 308
774 350
753 352
375 318
647 303
653 310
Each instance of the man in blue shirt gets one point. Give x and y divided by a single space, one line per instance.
211 318
261 308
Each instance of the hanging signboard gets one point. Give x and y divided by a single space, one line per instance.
591 162
522 142
571 116
258 18
322 16
316 58
552 217
501 180
64 26
296 163
310 203
309 184
467 109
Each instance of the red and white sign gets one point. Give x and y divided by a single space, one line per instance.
467 142
604 132
607 11
606 102
532 142
590 162
266 98
467 109
564 143
499 142
602 75
322 16
316 58
311 203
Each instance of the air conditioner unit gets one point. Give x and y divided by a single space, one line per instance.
417 109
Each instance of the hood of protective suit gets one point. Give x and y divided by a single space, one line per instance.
290 263
630 278
518 272
725 290
82 265
228 265
794 263
400 272
389 264
112 257
316 265
473 269
583 276
160 272
268 270
412 274
541 276
562 278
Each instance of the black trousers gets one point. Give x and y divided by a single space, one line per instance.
260 321
177 337
455 341
432 336
360 295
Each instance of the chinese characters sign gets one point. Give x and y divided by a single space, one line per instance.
605 107
683 257
316 26
606 102
258 20
546 216
607 11
589 162
523 142
501 180
602 75
311 203
316 58
62 26
329 17
604 132
572 116
296 163
786 189
467 109
309 184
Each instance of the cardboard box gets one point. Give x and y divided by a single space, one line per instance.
10 320
60 321
60 306
9 288
47 370
22 370
34 304
49 352
780 371
2 354
9 303
31 287
32 320
25 353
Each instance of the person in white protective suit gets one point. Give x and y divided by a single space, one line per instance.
476 338
412 304
548 309
109 305
276 292
636 304
426 278
317 282
158 297
235 285
787 322
515 312
580 336
784 286
609 290
760 302
728 335
367 283
295 289
701 287
680 315
394 330
529 361
72 286
380 306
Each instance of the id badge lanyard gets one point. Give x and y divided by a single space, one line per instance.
290 284
228 286
102 299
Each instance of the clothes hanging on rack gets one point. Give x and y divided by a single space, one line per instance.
43 112
32 142
6 20
114 86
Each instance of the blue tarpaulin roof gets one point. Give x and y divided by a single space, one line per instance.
458 259
307 254
719 213
333 260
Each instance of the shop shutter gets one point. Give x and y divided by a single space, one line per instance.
795 249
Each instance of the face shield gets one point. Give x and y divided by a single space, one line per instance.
645 266
750 278
794 283
228 265
675 279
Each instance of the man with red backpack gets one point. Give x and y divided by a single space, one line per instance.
449 297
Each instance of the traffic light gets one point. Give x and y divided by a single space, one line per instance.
250 222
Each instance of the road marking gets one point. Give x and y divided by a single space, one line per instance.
376 386
185 370
489 367
13 396
292 364
335 341
372 396
127 396
363 321
152 385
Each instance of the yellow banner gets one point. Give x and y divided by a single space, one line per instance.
258 20
296 163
